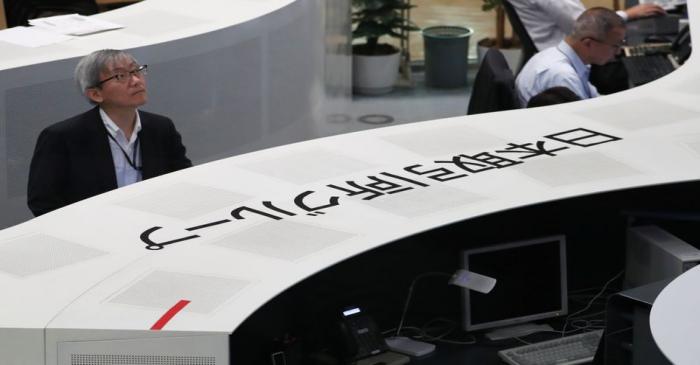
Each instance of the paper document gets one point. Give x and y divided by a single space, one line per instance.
74 24
31 36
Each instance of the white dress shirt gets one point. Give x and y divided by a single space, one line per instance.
126 174
549 21
555 66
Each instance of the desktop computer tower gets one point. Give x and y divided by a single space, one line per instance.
628 338
653 254
133 348
57 346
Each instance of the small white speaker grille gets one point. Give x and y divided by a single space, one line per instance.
576 169
105 359
319 164
283 240
639 114
163 289
38 253
183 200
420 202
695 146
444 141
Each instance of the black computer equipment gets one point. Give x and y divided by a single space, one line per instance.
668 5
531 284
665 25
360 335
647 62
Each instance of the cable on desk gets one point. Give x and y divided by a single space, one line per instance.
410 294
568 318
452 325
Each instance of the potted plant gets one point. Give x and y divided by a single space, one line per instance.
510 47
376 65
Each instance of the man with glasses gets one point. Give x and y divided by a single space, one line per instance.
112 145
596 38
548 21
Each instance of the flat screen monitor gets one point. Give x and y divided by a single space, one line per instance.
531 283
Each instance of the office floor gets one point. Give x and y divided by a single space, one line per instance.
414 101
407 103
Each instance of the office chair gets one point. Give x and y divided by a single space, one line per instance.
19 12
494 85
529 48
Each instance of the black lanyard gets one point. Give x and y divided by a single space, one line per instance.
131 161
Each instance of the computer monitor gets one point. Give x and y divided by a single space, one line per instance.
531 283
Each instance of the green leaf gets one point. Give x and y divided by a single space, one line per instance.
490 4
376 18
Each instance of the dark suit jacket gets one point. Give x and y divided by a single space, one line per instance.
72 160
494 86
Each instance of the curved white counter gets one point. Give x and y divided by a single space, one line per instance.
148 23
193 253
675 319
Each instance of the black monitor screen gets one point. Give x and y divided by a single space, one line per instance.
531 282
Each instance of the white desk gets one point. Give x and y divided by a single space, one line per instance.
675 319
249 227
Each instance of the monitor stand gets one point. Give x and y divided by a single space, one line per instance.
517 331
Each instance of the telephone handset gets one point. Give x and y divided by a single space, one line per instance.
683 36
360 335
681 46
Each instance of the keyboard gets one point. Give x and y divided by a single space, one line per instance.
644 69
575 349
646 48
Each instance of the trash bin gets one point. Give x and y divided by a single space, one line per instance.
446 51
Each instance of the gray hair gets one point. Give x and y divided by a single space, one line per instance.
87 72
596 23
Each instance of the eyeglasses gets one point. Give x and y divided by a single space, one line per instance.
615 46
122 77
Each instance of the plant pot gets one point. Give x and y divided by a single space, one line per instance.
374 74
511 53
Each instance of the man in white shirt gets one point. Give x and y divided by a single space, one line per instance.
597 36
548 21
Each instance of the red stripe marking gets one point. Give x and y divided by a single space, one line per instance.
170 314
